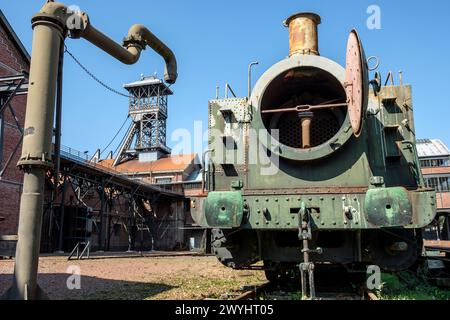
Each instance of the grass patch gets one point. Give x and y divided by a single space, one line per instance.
410 286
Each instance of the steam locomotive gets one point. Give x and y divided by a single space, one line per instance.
319 165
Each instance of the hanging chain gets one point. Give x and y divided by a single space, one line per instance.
90 74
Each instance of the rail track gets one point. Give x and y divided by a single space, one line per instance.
332 283
270 291
325 289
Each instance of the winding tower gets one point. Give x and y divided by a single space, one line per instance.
148 109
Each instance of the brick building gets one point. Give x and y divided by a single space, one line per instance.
435 162
14 59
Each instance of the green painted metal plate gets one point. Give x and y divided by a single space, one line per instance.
388 207
224 210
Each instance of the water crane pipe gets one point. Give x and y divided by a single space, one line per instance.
138 38
51 26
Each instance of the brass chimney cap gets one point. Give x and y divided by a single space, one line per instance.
315 17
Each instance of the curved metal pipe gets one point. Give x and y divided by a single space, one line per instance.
127 56
250 78
138 38
139 32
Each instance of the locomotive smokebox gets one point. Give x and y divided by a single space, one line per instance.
309 104
303 35
302 80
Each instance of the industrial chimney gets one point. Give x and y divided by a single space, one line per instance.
303 36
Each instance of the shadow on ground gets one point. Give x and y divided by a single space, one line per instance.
92 288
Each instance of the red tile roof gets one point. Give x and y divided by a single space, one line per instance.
173 163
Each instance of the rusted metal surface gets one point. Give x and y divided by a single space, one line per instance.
437 245
306 120
355 82
253 293
303 35
372 296
299 191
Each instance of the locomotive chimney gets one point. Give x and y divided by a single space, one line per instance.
303 36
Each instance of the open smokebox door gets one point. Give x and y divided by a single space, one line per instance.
356 82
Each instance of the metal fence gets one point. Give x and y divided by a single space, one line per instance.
75 155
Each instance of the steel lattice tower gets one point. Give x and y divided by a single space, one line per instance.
146 138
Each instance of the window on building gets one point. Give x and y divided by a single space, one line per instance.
438 184
444 184
431 183
163 180
432 163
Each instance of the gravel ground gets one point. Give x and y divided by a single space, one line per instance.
174 278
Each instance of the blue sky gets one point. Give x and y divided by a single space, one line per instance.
215 40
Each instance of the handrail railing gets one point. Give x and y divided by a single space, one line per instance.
87 249
85 159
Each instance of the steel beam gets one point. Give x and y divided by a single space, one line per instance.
7 88
62 215
57 146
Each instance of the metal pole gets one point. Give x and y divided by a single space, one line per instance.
36 156
59 111
102 209
108 230
306 120
131 213
232 91
57 151
250 66
62 216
